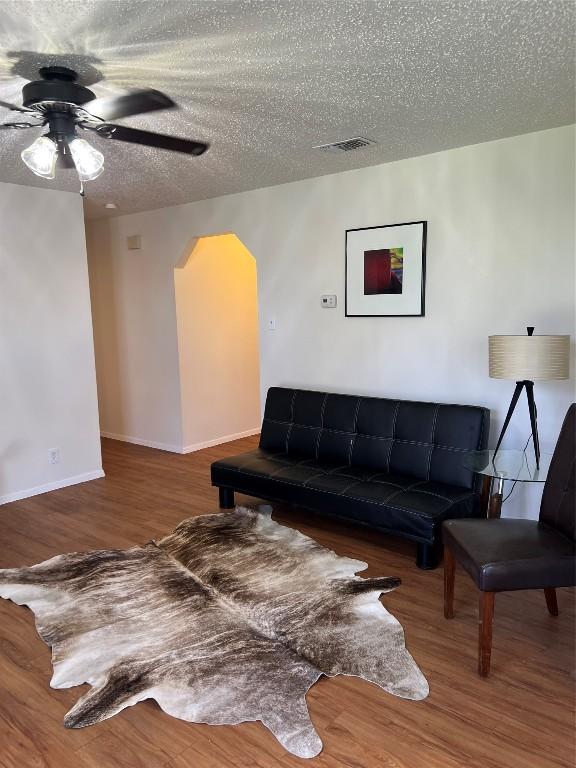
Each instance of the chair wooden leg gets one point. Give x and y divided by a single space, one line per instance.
551 601
449 577
486 614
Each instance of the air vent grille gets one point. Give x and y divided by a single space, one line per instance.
348 145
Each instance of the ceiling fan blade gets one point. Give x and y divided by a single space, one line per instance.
19 125
149 139
135 103
14 107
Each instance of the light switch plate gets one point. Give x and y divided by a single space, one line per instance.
328 301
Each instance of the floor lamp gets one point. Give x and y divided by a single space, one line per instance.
527 359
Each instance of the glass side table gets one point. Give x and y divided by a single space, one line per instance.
507 465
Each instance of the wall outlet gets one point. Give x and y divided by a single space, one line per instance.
53 455
328 301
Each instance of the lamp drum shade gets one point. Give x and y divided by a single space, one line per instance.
530 358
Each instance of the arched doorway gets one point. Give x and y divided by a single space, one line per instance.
217 319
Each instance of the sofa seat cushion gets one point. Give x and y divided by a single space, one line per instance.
256 462
389 502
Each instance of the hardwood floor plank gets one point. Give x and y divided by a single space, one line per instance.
111 750
30 748
27 702
523 715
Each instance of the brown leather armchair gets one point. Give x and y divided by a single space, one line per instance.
504 554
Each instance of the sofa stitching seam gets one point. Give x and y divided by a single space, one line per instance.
355 432
289 430
354 498
432 444
403 441
321 426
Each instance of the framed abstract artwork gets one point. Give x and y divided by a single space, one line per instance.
385 270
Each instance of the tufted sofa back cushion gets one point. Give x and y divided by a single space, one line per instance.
422 440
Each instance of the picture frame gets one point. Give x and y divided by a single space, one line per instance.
385 270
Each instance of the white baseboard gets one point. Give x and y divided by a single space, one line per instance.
38 489
141 441
179 448
220 440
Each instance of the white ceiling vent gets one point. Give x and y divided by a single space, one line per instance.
348 145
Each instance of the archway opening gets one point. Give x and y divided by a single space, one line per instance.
217 319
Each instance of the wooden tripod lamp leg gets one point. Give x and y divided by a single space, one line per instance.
511 407
533 419
485 495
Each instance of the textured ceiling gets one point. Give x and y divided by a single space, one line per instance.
264 82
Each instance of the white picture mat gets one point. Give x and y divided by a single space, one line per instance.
406 236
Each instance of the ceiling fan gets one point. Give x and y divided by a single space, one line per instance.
64 105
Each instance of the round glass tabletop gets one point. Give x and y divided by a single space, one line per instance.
509 465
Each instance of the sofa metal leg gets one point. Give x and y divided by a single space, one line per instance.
449 577
226 496
428 556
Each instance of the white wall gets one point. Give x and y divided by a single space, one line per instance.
217 320
47 377
135 338
500 257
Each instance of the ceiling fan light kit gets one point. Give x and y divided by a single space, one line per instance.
65 105
89 161
41 157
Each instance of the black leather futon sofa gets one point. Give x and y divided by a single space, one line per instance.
392 465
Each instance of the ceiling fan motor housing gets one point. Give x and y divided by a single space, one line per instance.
58 85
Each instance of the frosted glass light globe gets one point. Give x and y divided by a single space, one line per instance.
41 156
89 162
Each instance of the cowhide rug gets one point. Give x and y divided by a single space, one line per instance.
230 618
